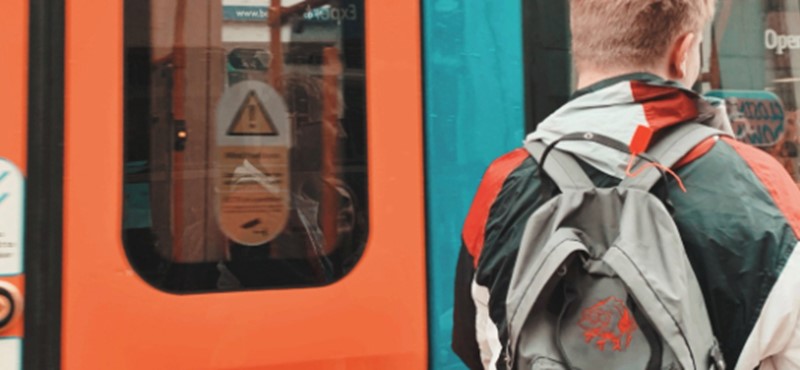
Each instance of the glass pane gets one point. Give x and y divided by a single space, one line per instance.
753 62
245 142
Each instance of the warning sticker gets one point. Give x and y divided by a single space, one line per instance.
252 163
252 119
253 193
11 218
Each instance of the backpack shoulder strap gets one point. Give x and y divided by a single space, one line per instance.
561 167
669 150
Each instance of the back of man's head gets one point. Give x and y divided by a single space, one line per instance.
632 34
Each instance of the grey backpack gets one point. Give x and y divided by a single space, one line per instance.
602 280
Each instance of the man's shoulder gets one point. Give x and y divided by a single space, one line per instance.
498 181
726 161
504 166
743 176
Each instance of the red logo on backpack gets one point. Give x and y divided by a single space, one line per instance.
608 322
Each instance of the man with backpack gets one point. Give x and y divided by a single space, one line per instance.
632 231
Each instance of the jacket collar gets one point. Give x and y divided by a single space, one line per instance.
597 86
616 106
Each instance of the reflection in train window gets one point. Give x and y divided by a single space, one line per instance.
245 142
752 61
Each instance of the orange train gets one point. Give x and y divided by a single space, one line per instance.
173 224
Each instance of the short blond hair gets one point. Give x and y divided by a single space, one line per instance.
632 33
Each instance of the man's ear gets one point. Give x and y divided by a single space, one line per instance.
679 55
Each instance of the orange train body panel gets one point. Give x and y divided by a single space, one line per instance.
374 318
13 104
14 86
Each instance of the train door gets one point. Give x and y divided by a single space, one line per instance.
13 155
242 186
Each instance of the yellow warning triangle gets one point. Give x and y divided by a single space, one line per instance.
252 119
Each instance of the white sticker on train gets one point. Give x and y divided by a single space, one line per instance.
12 203
10 353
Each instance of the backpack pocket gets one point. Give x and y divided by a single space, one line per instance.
602 327
664 318
551 264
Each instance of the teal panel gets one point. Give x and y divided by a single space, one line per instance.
741 51
474 112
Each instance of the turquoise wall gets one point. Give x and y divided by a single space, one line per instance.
474 112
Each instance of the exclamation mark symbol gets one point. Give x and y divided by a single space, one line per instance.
251 112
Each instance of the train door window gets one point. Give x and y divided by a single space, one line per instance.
752 61
245 142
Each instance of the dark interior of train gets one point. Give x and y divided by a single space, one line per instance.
174 204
